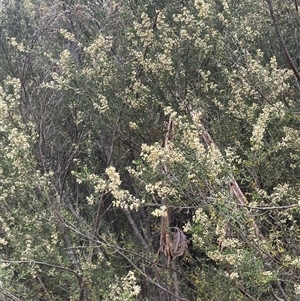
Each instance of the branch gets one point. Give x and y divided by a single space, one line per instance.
8 294
235 190
145 258
62 225
121 251
47 295
274 295
285 297
282 43
165 244
136 231
50 265
266 208
296 6
116 248
153 27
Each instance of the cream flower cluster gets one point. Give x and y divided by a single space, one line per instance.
269 111
202 7
161 211
156 155
122 197
124 289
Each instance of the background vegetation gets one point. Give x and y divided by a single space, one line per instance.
149 150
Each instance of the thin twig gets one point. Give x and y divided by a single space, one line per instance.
47 295
266 207
147 277
42 263
121 251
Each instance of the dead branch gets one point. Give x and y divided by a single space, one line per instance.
235 190
165 239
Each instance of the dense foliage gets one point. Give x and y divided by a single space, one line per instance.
149 150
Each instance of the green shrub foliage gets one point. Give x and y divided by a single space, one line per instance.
149 150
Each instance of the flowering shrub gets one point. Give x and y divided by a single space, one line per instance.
124 124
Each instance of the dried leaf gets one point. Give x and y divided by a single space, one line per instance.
180 243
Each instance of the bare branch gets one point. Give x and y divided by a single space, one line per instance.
8 294
149 278
121 251
266 207
296 6
274 294
285 297
135 229
44 264
47 295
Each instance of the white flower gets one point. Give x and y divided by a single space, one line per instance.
161 211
